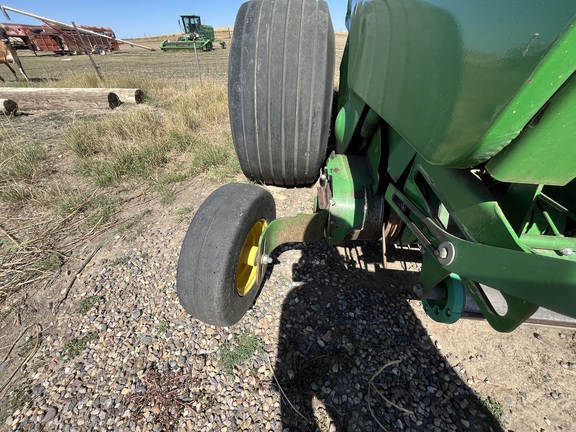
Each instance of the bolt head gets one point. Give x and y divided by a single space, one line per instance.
266 260
441 253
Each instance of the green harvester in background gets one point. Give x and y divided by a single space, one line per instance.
453 130
196 36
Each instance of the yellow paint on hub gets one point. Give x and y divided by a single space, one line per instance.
248 264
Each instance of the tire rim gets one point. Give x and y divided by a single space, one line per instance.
248 265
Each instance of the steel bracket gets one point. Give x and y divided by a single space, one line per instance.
526 280
303 228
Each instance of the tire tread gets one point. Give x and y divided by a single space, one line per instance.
281 76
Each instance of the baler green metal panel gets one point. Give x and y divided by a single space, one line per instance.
460 80
545 152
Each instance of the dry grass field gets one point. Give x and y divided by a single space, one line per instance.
133 63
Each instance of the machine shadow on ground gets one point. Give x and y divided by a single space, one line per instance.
338 328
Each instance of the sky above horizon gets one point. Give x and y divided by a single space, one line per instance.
133 19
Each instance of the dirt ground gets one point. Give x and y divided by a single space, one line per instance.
527 371
528 376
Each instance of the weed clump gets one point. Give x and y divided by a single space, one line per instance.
165 396
18 399
89 303
75 346
241 349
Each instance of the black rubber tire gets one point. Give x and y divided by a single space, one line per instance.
207 47
206 274
280 83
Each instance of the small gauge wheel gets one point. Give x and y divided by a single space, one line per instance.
219 265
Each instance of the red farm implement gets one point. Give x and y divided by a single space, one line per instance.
60 39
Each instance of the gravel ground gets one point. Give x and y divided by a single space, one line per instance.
309 356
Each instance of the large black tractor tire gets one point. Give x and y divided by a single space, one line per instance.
280 83
211 281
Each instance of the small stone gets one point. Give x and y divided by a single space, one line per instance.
70 405
508 400
137 314
523 395
147 340
51 413
537 335
465 423
38 389
554 395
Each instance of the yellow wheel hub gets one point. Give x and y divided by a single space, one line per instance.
248 265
